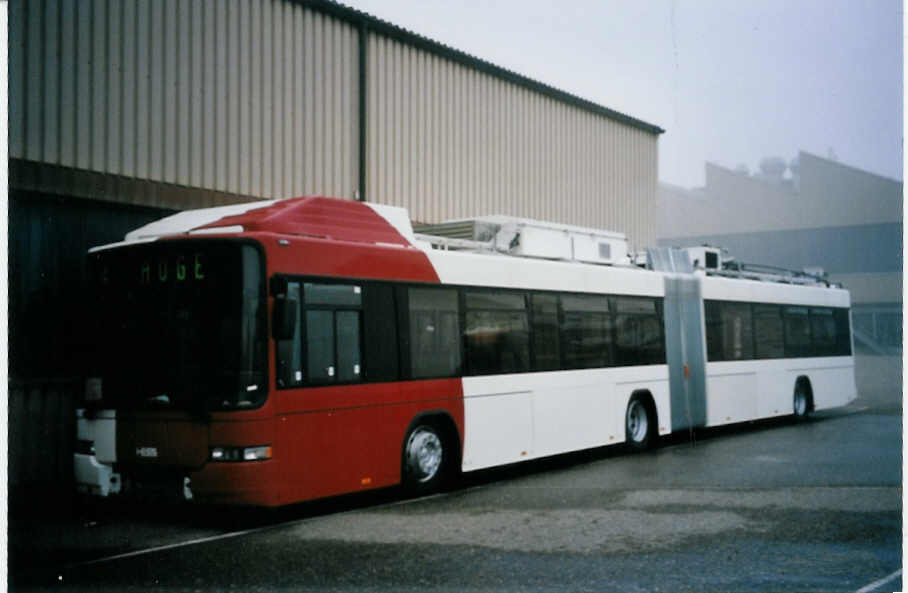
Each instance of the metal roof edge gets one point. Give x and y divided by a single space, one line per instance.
850 167
374 24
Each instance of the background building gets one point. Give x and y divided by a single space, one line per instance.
811 212
123 112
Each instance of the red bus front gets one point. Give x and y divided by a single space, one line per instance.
213 405
181 355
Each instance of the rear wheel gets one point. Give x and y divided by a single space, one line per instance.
425 458
638 424
801 400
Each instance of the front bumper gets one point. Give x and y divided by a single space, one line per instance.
241 483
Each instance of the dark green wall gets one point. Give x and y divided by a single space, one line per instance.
48 240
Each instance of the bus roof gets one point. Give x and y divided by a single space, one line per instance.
314 216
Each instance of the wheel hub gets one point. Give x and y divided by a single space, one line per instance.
637 421
424 454
800 403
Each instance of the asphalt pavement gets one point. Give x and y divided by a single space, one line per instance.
770 506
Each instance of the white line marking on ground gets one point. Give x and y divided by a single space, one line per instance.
877 584
203 540
190 542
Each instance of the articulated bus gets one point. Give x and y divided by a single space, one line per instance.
282 351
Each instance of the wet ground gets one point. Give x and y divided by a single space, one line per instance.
772 506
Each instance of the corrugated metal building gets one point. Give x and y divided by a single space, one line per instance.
272 98
121 112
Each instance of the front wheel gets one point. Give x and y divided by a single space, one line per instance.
638 425
425 459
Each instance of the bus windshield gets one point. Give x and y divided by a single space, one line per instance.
180 325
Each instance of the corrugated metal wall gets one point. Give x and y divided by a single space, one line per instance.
49 281
448 141
255 97
41 432
261 98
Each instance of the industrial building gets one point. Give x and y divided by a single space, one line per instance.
811 212
123 112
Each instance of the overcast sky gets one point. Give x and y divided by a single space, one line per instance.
730 81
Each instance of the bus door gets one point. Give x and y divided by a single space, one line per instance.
685 350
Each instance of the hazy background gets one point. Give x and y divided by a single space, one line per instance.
730 81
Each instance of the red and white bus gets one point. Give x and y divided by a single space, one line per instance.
274 352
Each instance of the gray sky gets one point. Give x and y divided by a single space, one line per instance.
731 81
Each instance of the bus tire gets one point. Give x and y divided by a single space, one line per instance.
802 400
640 422
426 457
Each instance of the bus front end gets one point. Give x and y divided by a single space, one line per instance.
177 387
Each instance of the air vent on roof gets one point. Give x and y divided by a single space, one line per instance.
528 238
605 251
705 258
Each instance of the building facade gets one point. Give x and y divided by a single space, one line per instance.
250 99
811 213
123 112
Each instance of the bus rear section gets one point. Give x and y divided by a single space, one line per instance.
775 349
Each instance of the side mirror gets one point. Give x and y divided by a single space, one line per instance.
283 325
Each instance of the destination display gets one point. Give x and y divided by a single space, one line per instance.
181 324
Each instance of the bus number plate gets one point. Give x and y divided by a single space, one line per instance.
146 451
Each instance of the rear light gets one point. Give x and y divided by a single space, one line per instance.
260 453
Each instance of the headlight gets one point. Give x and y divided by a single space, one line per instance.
240 453
256 453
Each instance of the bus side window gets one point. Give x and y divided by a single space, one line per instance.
380 342
638 331
496 333
822 331
714 333
289 352
738 329
797 332
768 331
729 331
349 359
333 332
546 343
320 346
843 332
434 332
586 332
